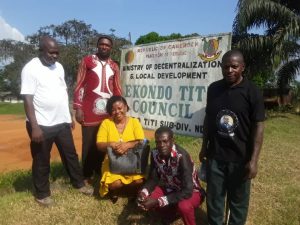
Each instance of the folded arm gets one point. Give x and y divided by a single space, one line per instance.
118 147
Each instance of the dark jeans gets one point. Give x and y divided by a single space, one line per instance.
227 178
91 158
61 135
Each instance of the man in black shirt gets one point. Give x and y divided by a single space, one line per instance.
173 186
232 139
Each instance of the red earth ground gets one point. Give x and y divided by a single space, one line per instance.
14 143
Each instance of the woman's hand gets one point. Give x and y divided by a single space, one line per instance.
113 145
121 147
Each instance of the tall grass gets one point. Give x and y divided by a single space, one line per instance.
275 194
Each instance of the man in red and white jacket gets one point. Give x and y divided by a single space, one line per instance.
98 79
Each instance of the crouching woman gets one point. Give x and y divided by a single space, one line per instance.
120 133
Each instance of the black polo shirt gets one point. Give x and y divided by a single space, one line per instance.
230 112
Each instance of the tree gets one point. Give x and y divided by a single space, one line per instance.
19 53
71 32
277 51
75 39
149 38
155 37
7 47
112 31
69 58
116 50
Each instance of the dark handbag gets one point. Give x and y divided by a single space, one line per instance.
135 161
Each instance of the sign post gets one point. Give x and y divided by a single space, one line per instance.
165 83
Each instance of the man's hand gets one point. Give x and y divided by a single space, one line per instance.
202 153
72 123
141 197
257 131
251 170
149 203
79 116
37 134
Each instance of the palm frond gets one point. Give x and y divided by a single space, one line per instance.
288 72
292 29
291 49
267 13
256 42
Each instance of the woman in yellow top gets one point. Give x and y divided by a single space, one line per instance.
121 133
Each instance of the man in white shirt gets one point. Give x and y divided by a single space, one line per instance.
49 121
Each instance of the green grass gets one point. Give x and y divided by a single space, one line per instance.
275 194
12 108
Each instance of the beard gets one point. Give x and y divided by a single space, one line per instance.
103 54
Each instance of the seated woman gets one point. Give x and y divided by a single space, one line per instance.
121 133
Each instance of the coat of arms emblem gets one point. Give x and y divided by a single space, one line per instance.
210 49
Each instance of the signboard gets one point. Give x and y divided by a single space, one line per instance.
165 83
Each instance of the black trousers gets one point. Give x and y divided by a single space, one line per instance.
61 135
227 179
91 158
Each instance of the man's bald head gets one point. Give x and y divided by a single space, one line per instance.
233 53
45 41
48 50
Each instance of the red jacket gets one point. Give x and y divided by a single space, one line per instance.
93 89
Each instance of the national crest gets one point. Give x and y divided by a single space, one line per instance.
210 49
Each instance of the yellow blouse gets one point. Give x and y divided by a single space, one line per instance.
109 133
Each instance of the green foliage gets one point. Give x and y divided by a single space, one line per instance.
21 53
257 79
277 51
69 57
155 37
116 50
71 32
15 181
287 72
256 51
75 32
260 79
296 90
21 179
149 38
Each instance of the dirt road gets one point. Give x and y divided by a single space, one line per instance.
14 143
